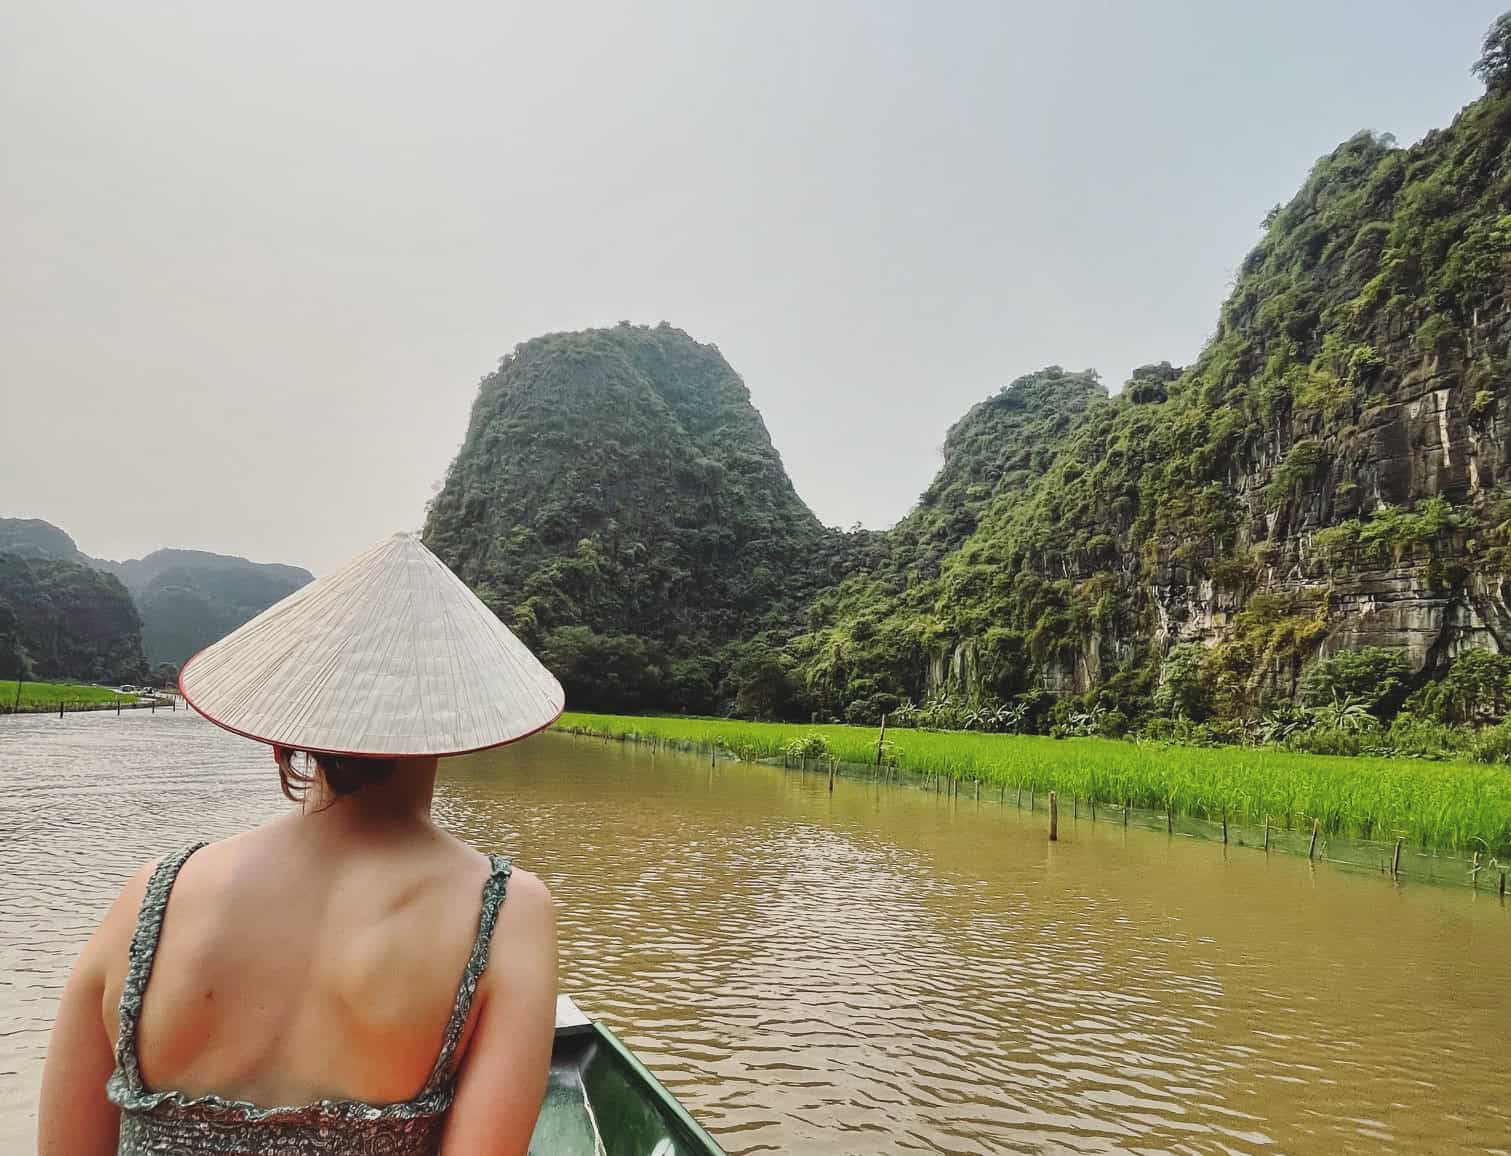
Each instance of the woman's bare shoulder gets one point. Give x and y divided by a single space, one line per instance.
527 895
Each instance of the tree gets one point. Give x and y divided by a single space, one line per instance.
1494 65
1374 676
1476 689
1184 690
763 685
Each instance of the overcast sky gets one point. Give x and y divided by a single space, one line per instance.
257 256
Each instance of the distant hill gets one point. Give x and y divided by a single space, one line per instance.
61 619
190 598
34 538
186 599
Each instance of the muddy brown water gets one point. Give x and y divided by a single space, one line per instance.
883 970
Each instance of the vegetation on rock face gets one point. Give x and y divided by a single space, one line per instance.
870 639
1189 549
617 501
62 620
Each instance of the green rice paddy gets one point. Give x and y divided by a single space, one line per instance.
1452 806
47 695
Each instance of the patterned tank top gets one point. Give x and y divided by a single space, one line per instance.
168 1123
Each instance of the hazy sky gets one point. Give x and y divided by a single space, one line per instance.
255 257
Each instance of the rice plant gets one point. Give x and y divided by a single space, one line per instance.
1433 804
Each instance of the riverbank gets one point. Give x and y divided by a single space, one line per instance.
49 697
1460 807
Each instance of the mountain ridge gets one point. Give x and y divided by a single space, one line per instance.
185 598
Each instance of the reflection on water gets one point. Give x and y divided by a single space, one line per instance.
876 971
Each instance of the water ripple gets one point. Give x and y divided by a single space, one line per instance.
876 971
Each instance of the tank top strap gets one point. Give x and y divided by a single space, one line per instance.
143 950
494 891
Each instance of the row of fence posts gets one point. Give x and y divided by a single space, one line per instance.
1054 817
84 708
951 788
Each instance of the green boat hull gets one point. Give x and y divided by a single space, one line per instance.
601 1101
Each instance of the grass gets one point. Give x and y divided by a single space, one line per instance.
1452 806
41 695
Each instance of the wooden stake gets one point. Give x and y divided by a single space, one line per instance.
1503 884
1224 828
831 776
1054 818
978 790
1395 862
1093 810
881 739
1474 871
1030 798
1020 797
1075 806
1267 834
1127 808
1312 847
1169 819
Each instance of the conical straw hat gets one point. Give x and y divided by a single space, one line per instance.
391 655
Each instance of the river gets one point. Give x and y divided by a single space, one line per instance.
880 970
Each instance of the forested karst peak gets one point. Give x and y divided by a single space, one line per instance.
618 501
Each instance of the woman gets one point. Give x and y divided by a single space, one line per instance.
348 979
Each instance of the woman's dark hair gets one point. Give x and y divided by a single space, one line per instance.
343 774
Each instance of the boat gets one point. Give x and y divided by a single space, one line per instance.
602 1101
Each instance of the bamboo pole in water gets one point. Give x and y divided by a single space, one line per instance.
831 776
881 739
1224 828
1054 818
1395 862
1267 834
1312 846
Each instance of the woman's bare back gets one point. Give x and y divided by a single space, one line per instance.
285 975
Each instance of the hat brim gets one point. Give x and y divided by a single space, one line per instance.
319 750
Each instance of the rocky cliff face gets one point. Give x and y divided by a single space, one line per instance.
1416 440
1332 473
